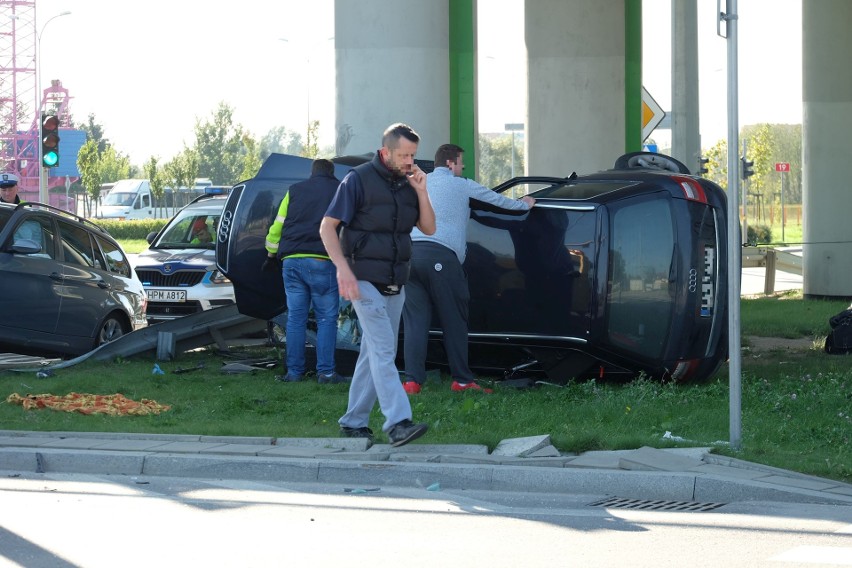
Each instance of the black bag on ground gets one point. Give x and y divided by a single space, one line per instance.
840 339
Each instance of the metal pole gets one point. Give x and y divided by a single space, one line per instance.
745 183
513 153
42 171
734 243
783 213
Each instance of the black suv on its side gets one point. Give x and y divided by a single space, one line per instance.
65 284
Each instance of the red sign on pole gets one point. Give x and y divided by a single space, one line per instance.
782 166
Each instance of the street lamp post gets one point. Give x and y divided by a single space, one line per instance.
42 177
514 127
307 84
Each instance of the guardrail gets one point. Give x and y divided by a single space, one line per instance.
772 260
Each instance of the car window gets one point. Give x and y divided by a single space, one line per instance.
38 230
115 260
190 230
77 246
581 189
640 299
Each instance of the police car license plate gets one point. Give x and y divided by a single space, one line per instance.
167 295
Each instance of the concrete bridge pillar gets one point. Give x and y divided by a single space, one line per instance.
392 62
576 85
826 143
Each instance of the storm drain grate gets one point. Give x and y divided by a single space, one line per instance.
646 505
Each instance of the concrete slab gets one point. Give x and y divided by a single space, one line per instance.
18 459
85 461
24 441
237 449
545 452
348 444
597 460
718 490
257 440
726 471
297 452
630 484
231 467
391 474
653 459
187 447
520 447
358 456
415 457
556 461
841 490
129 445
472 449
68 443
472 459
799 483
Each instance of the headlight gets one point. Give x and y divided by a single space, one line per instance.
216 277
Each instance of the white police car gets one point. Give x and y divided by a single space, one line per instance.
178 269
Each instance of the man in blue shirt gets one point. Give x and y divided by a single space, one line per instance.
438 280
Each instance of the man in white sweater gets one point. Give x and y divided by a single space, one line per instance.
438 280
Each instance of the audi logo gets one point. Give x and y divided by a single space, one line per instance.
225 226
693 280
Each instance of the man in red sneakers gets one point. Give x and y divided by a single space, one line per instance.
438 281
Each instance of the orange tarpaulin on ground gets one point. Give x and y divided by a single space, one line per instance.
113 404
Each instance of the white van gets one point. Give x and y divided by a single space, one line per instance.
132 199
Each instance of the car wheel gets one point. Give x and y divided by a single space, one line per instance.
650 160
110 329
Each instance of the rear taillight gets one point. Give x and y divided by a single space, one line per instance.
691 189
684 370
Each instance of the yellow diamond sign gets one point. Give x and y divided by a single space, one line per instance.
652 114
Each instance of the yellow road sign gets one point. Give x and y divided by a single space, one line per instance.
652 114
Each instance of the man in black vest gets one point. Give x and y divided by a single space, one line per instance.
377 204
309 275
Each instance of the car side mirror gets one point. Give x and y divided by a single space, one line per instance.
26 246
151 236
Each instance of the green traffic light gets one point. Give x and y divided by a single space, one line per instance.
50 159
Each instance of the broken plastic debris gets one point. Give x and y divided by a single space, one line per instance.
357 490
434 487
157 370
668 436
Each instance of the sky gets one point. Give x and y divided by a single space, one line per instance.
149 70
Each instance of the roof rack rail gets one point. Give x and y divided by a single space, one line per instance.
63 212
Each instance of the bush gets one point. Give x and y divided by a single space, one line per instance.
131 229
761 234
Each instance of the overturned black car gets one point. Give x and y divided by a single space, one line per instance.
610 275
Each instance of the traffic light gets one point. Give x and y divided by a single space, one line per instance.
49 140
748 169
702 165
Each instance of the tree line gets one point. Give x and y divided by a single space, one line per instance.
223 151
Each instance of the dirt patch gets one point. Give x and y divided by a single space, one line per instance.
763 344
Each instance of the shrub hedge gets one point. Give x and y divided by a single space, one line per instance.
131 229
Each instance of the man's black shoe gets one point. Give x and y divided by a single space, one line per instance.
364 432
332 379
405 432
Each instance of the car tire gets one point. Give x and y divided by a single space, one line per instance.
110 329
650 160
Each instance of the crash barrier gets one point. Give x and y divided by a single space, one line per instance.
786 260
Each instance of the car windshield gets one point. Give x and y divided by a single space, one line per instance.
190 230
641 295
120 198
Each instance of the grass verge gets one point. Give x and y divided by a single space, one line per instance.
795 402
